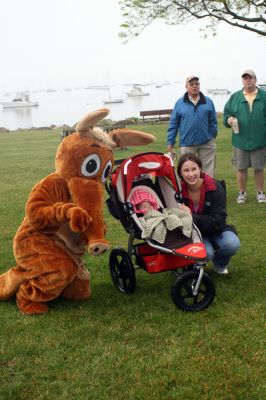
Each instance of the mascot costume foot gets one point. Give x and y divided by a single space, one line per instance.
64 218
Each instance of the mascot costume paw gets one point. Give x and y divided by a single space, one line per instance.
64 217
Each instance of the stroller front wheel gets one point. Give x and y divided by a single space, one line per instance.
182 291
122 271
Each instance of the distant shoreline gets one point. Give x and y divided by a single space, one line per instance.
107 122
40 128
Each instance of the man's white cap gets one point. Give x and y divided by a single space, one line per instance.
249 72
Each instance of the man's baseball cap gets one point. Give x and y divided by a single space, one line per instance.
249 72
191 77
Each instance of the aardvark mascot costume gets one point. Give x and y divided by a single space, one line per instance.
64 216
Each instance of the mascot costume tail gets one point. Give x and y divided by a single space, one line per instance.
64 217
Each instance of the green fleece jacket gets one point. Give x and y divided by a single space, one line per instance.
252 124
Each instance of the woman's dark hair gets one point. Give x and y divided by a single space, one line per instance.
188 157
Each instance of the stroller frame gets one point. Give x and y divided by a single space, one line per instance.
193 289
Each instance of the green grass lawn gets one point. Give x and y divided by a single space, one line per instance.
137 346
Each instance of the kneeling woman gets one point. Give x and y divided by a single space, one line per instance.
206 199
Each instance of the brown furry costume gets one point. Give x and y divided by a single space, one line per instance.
64 215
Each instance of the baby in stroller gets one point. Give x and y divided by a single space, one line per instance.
155 220
151 178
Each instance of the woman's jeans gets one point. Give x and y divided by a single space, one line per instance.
221 247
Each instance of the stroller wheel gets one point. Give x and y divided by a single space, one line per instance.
122 271
182 291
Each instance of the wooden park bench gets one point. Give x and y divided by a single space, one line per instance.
156 115
66 132
107 128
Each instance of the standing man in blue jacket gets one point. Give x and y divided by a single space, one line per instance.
194 117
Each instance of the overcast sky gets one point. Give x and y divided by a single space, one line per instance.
66 43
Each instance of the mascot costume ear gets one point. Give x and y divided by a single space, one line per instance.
64 217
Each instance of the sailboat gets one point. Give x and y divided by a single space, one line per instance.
111 99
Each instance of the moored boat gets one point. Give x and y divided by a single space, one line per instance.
97 87
262 86
20 100
110 99
113 100
137 91
218 91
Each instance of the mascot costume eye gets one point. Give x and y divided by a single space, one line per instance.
64 217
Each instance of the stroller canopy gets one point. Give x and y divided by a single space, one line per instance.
152 163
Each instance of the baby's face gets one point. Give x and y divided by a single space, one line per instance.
145 206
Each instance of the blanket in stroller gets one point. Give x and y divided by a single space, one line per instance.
155 224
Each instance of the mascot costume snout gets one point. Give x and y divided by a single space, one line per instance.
64 217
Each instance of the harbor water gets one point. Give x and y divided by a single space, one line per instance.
67 106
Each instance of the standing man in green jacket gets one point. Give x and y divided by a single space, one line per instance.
245 112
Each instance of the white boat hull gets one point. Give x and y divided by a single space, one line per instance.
218 91
110 101
18 104
137 94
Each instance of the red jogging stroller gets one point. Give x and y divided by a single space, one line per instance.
193 288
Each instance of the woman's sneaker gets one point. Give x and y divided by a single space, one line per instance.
221 270
261 197
241 198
